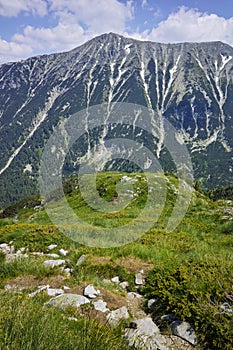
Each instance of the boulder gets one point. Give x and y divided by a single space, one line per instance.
53 263
81 260
40 289
91 292
6 248
115 316
52 246
151 304
52 292
138 279
184 331
133 295
115 279
52 255
63 252
100 305
124 285
63 300
144 334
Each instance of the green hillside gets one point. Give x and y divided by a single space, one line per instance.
188 271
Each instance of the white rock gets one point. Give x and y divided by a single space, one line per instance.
226 307
6 248
52 246
115 279
52 292
81 260
40 289
63 300
133 295
63 252
145 335
184 331
51 255
91 292
7 287
53 263
115 316
100 305
151 304
37 253
66 288
124 285
138 279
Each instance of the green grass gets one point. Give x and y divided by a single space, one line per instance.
191 267
26 324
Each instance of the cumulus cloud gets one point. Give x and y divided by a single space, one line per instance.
98 15
77 21
192 25
144 3
13 8
12 51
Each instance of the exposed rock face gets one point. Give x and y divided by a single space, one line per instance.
184 331
64 300
91 292
115 316
144 334
189 84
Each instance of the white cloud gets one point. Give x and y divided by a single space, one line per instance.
12 8
144 3
192 25
12 51
78 21
98 15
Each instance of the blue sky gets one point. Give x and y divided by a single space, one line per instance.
31 27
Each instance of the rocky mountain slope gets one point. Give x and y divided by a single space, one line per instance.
189 84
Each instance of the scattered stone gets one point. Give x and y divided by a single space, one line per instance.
144 334
63 252
133 295
67 270
39 290
53 263
226 307
6 248
105 280
124 285
37 253
115 279
115 316
66 288
20 251
138 279
55 256
184 331
151 304
63 300
52 246
52 292
168 317
12 257
100 305
126 178
7 287
81 260
91 292
72 319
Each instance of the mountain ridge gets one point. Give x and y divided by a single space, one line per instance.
189 84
